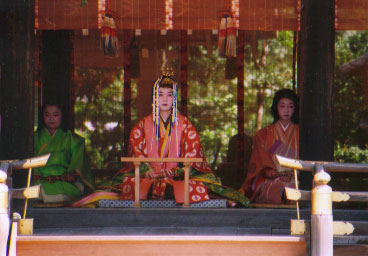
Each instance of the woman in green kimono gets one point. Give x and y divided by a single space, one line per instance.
66 175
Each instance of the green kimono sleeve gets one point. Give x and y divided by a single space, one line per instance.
79 161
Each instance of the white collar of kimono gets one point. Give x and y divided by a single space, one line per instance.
284 128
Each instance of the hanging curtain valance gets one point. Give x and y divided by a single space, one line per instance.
264 15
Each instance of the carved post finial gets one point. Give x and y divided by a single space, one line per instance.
322 178
321 219
3 177
321 193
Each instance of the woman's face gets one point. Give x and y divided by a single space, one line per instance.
52 117
165 99
285 109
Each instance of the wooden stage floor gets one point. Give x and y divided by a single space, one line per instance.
173 221
100 230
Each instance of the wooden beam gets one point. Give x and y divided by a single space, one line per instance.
240 101
33 162
340 228
160 245
161 160
23 193
351 250
328 166
337 196
184 72
127 90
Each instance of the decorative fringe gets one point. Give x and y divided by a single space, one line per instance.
227 37
231 38
109 39
156 109
222 38
174 108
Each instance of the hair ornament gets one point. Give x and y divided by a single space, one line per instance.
167 81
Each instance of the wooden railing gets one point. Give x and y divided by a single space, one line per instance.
137 162
323 228
6 223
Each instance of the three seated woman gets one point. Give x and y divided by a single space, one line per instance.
167 134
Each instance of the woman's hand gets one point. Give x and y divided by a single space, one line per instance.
150 175
272 173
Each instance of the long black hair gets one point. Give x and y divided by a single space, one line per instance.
288 94
41 121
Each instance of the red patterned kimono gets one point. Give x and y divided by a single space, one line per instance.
265 180
181 140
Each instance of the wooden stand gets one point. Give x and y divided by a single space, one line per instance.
137 162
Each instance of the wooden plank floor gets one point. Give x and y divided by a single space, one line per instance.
160 245
351 250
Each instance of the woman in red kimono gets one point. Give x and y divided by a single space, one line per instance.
266 180
166 133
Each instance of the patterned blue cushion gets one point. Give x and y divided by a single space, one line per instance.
214 203
108 203
105 203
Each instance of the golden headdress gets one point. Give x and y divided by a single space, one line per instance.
166 81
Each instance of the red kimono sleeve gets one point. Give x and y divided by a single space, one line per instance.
192 147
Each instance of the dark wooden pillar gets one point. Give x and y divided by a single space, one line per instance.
317 74
184 72
16 78
127 90
240 101
57 71
16 82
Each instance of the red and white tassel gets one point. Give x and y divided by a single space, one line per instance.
114 39
109 39
231 38
105 34
222 38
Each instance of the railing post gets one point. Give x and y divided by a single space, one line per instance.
4 217
186 184
321 219
137 185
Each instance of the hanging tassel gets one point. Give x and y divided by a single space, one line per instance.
231 38
109 39
114 48
105 34
84 2
222 37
